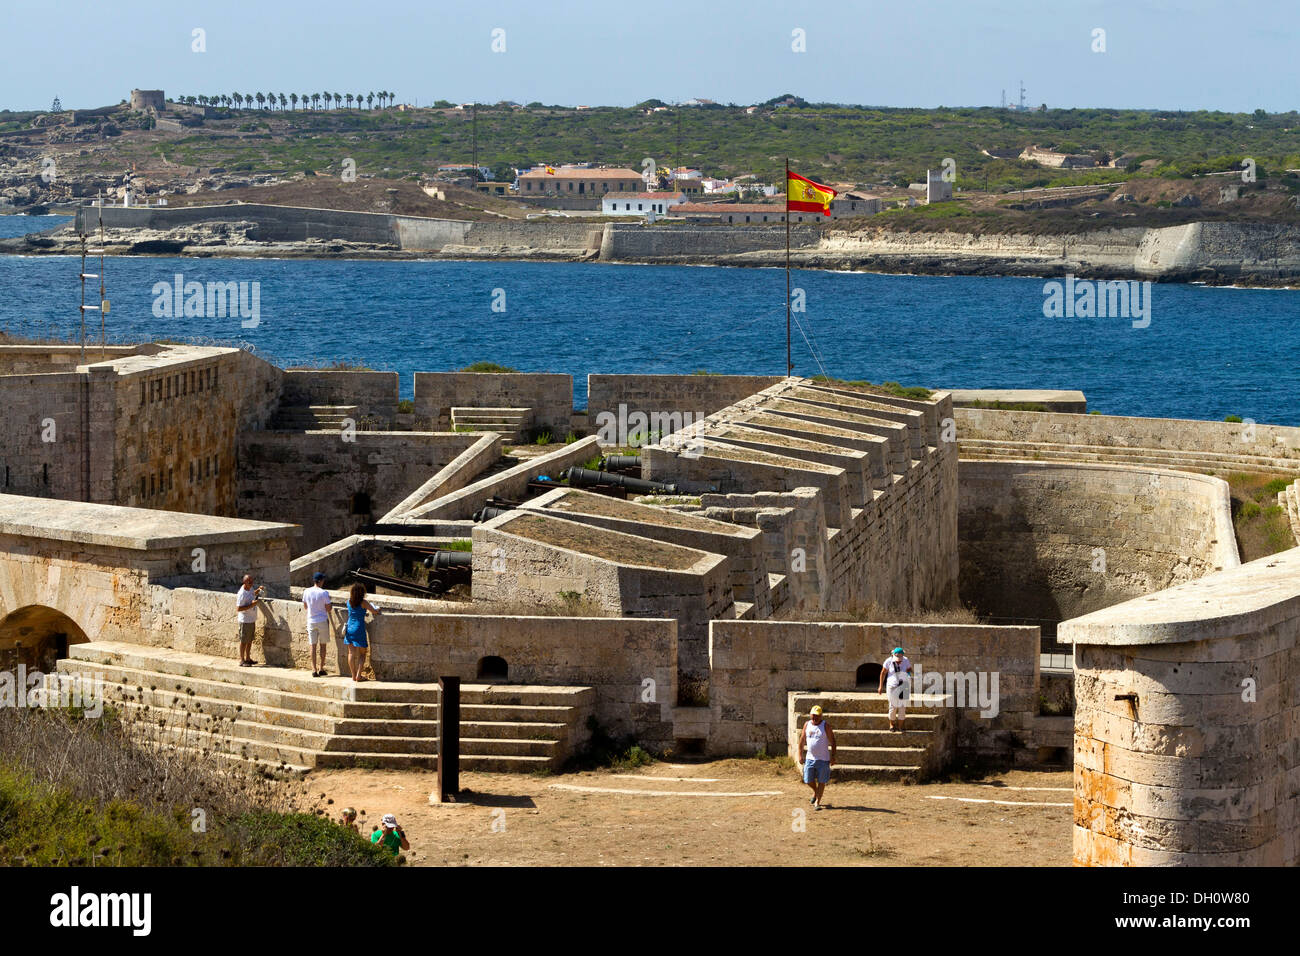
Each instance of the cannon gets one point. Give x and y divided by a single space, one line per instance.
488 512
622 464
596 480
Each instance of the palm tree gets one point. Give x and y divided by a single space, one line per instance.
261 99
358 101
284 100
338 100
370 101
348 97
293 98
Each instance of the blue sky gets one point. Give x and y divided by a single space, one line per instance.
1168 54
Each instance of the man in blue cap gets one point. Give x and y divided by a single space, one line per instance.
897 671
317 602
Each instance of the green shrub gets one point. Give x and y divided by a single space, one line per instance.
488 367
405 406
1233 418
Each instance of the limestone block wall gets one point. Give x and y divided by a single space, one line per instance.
1224 438
550 396
661 397
528 558
176 419
455 475
1186 750
512 483
375 393
635 242
1028 533
756 664
332 486
97 565
743 547
42 442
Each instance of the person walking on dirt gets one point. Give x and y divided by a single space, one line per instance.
816 754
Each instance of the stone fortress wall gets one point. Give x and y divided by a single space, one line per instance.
800 498
1044 541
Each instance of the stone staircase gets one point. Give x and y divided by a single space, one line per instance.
287 719
300 418
1218 462
512 423
866 749
1289 499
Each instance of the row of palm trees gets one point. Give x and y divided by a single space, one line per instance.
281 101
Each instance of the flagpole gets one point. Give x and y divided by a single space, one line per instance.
789 365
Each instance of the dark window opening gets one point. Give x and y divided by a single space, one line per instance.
493 668
869 675
360 503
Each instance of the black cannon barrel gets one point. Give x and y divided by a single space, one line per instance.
488 512
621 463
450 559
586 478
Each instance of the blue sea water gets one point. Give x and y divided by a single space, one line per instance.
1207 353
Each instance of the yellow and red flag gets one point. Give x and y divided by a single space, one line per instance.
550 170
804 195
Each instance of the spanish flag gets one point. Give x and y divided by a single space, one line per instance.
550 170
804 195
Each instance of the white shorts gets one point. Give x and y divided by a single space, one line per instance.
317 631
898 694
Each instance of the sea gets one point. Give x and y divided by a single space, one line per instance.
1198 352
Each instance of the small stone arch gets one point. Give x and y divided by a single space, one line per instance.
494 669
37 636
868 674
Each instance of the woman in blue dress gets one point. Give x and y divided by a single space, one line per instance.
354 632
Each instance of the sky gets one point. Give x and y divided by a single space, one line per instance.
1158 54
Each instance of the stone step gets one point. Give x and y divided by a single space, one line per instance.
165 661
910 756
862 702
163 689
875 772
886 738
1104 454
850 721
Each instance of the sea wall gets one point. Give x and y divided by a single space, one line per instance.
1041 541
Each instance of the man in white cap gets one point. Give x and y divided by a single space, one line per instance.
816 754
390 836
897 671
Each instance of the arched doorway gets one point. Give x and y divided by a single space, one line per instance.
37 637
493 669
869 675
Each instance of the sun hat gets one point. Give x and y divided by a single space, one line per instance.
817 710
389 821
898 650
349 812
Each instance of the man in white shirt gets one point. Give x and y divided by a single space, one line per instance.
246 610
317 602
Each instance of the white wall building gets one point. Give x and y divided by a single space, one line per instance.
640 204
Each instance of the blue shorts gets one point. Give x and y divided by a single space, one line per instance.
816 771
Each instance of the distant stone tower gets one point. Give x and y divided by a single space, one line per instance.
148 99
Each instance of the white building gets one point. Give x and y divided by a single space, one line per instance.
640 204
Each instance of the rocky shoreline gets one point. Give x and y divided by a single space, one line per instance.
1217 254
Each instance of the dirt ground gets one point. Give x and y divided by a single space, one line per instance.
664 815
